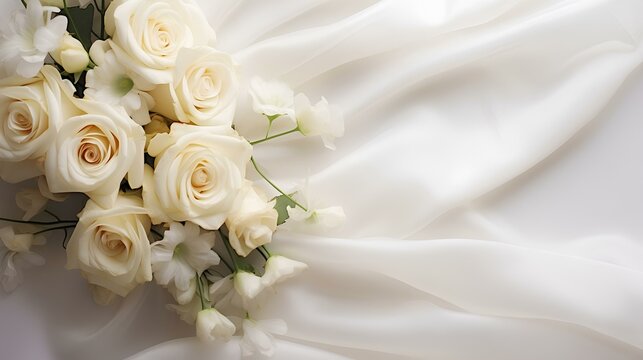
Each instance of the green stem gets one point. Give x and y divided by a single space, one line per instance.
274 136
263 255
230 253
268 130
73 24
199 289
54 228
227 264
254 163
33 222
102 19
266 250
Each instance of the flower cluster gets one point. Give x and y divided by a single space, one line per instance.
136 111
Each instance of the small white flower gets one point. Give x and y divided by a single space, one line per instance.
212 325
320 119
30 36
15 253
183 252
325 218
31 201
272 98
183 296
187 312
224 296
248 285
110 82
279 268
315 219
71 54
257 336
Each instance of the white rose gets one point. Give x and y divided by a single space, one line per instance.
203 89
197 174
31 110
94 151
111 246
71 54
252 220
146 35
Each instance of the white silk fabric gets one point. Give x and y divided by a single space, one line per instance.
491 183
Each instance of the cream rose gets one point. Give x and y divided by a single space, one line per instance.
197 174
110 246
94 151
252 220
31 110
146 35
203 90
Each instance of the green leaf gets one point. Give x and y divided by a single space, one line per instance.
79 24
282 203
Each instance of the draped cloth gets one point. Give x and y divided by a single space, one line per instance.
491 174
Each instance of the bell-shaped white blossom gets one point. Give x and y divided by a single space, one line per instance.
30 35
319 119
189 311
184 252
279 268
257 336
315 219
212 325
225 297
272 98
110 82
71 54
324 218
15 254
248 285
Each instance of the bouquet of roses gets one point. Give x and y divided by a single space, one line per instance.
130 103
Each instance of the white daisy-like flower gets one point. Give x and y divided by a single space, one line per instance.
280 268
184 252
319 119
30 35
15 254
111 83
258 336
272 98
